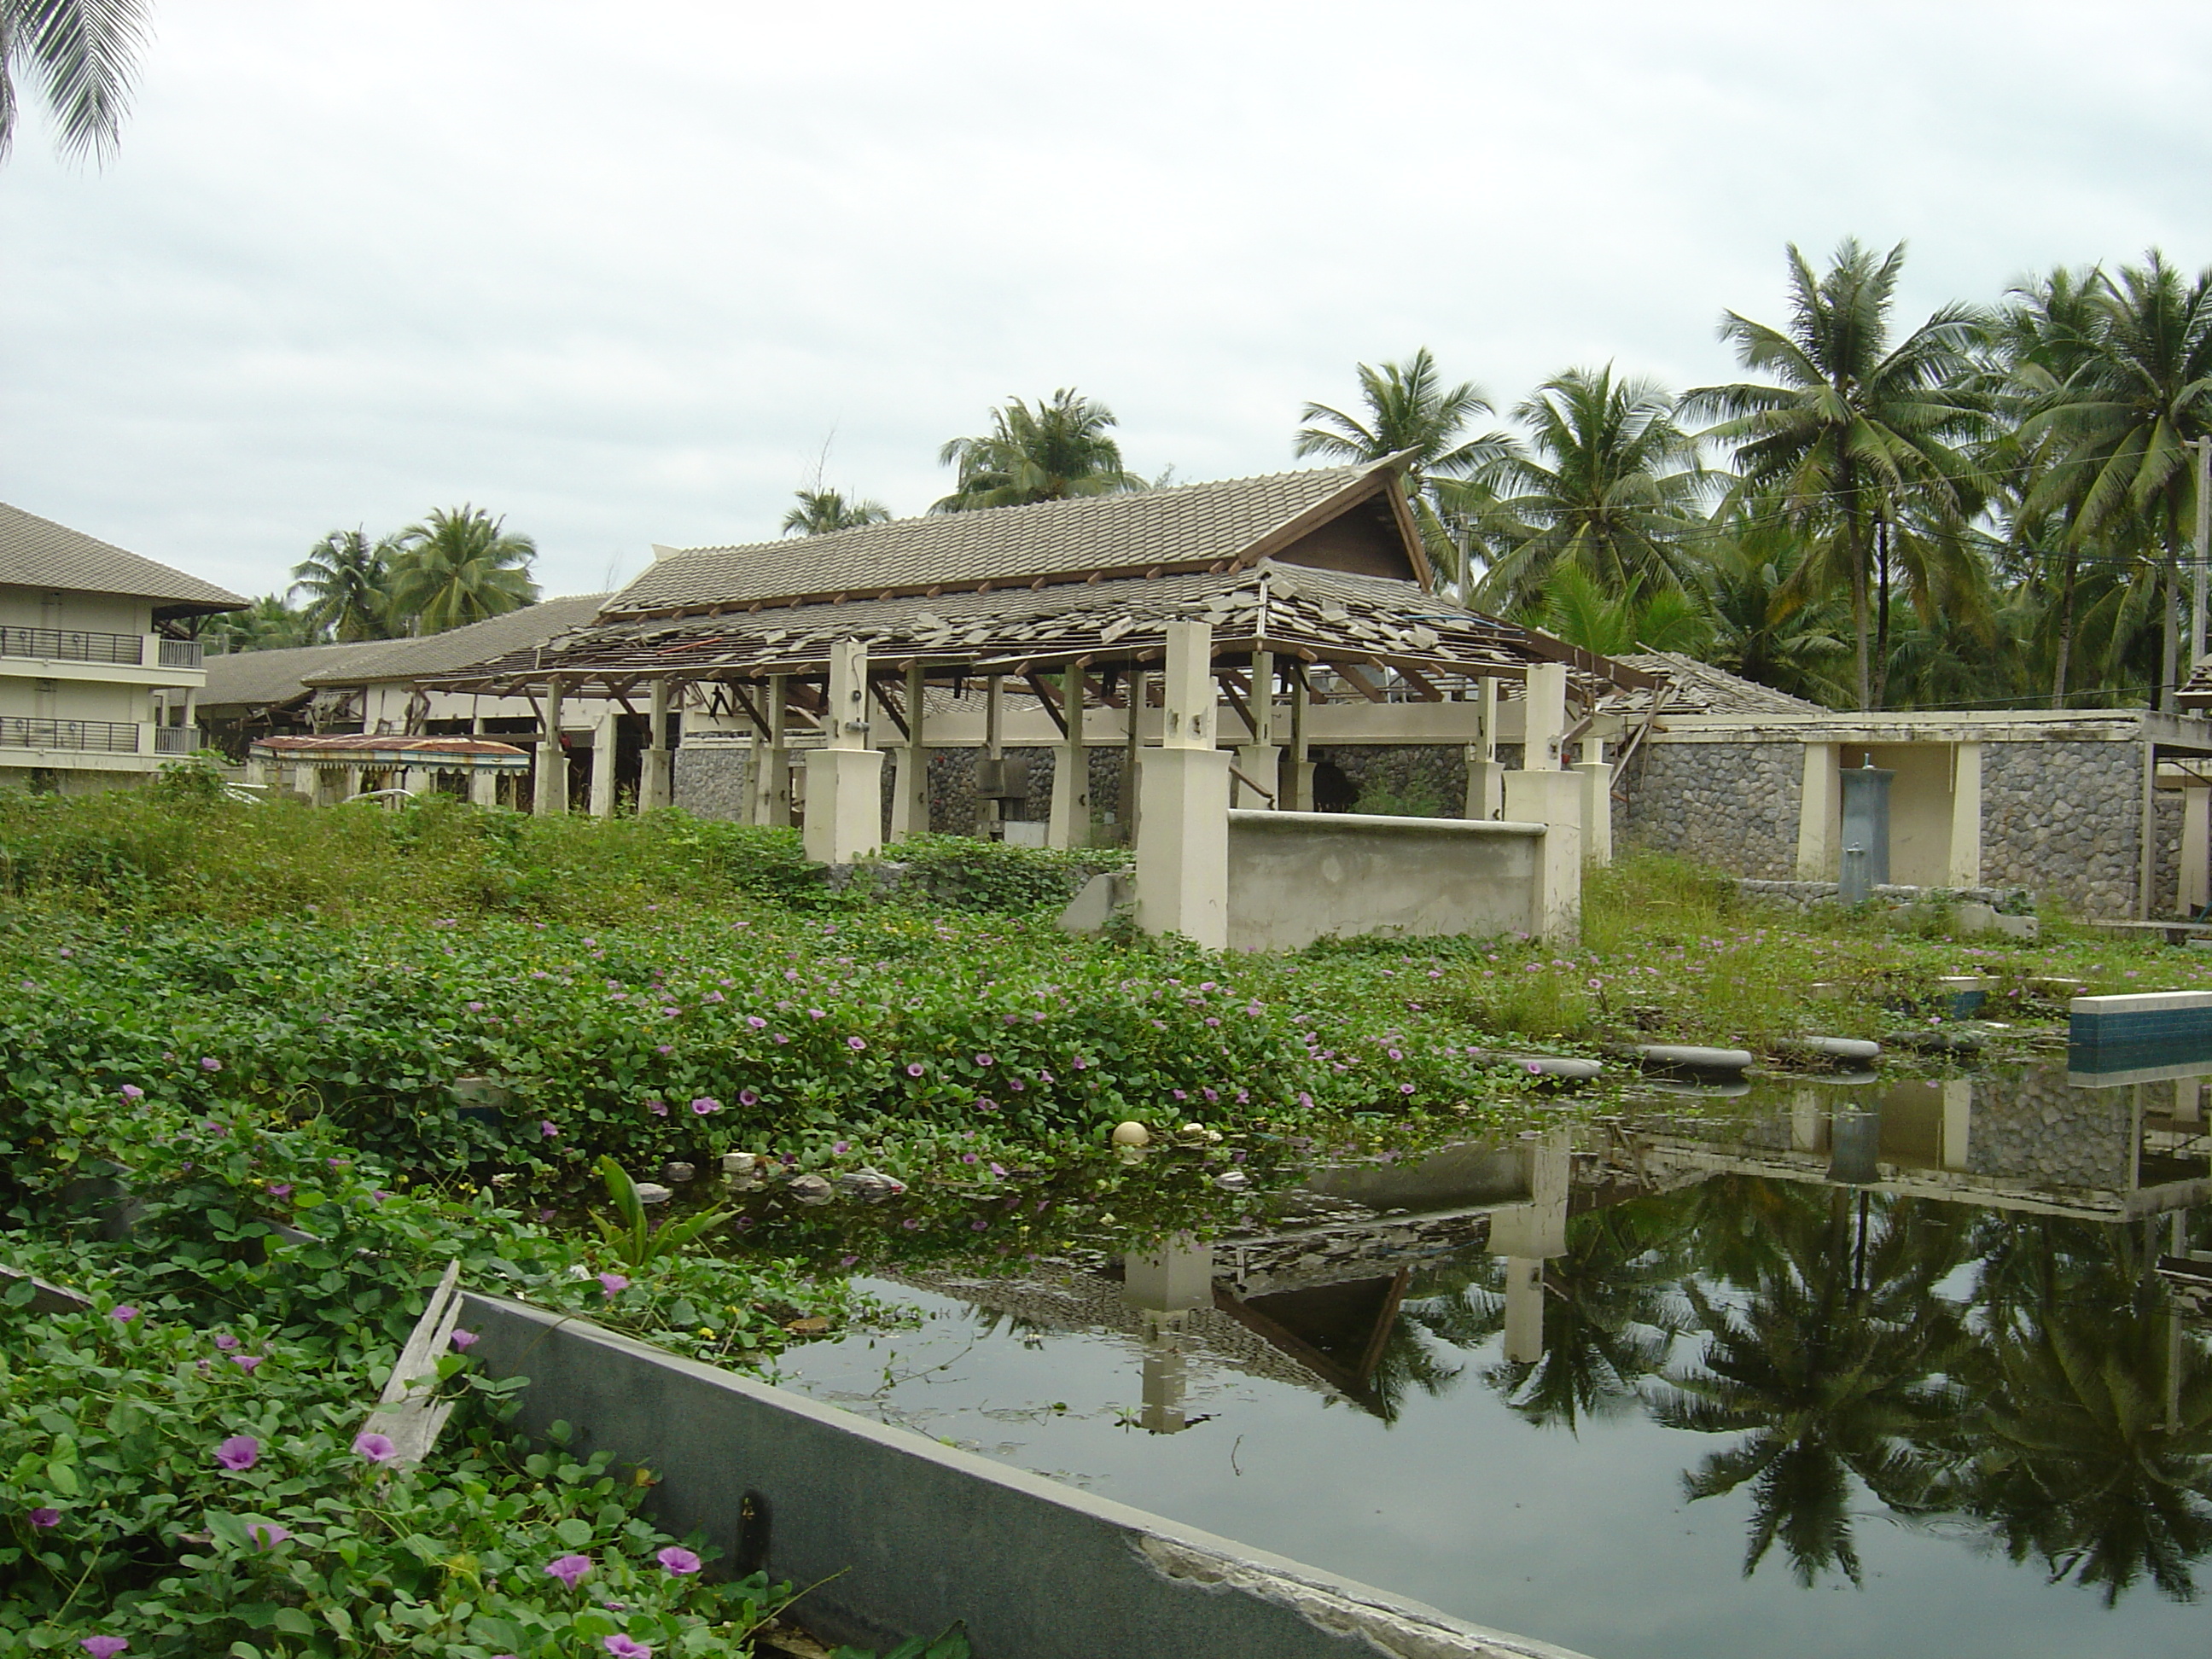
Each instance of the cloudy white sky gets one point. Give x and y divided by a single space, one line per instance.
620 273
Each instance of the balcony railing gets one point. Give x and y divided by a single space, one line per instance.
181 654
176 739
105 737
78 645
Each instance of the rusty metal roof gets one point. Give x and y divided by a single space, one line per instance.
341 748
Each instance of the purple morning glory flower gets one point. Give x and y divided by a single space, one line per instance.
373 1447
245 1362
914 1069
210 1063
658 1107
622 1648
569 1569
465 1340
44 1518
706 1104
279 1189
241 1451
132 1091
678 1560
854 1043
549 1130
267 1534
748 1097
103 1647
612 1283
123 1314
985 1060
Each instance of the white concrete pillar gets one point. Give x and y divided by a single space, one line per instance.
1958 1121
772 778
844 804
1182 851
1820 813
2195 875
552 796
1964 868
1524 1310
1262 759
605 736
2189 1100
656 777
1553 800
1597 811
1297 771
989 811
1527 1235
1544 718
1808 1122
910 783
845 724
1486 778
1070 825
1182 848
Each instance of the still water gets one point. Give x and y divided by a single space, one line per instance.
1826 1370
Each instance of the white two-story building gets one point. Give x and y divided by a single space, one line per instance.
99 669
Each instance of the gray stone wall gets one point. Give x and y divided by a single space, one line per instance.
2166 853
710 783
1431 774
1730 804
2033 1126
2063 820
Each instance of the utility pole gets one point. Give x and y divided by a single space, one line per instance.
2204 553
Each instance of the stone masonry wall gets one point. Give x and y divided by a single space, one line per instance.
2063 820
710 783
1432 775
1730 804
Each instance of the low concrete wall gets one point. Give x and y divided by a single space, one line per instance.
1297 876
902 1536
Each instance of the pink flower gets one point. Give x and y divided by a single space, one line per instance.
475 1007
132 1091
373 1447
549 1131
612 1283
279 1189
569 1569
985 1060
123 1314
854 1043
748 1097
241 1451
267 1534
914 1069
210 1063
756 1022
678 1560
225 1340
465 1340
1405 1088
45 1518
622 1648
658 1107
245 1362
705 1105
103 1647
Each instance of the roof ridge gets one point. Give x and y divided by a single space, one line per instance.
1352 469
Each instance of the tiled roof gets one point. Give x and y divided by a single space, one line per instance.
461 647
1698 688
1186 527
262 679
37 552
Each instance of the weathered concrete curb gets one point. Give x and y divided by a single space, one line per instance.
900 1535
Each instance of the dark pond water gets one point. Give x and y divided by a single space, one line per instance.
1823 1371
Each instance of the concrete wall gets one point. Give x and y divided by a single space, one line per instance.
1297 876
900 1535
2063 819
1732 804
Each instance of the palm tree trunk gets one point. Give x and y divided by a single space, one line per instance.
1882 601
2169 653
1857 562
2065 631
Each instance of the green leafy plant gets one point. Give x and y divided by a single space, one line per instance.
635 1241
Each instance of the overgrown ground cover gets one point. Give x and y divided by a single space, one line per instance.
254 1016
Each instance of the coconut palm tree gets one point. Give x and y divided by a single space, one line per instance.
1855 429
344 579
1608 485
459 567
820 512
269 625
1410 412
1765 627
1059 449
1577 608
2125 417
84 53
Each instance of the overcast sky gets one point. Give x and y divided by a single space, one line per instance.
621 273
